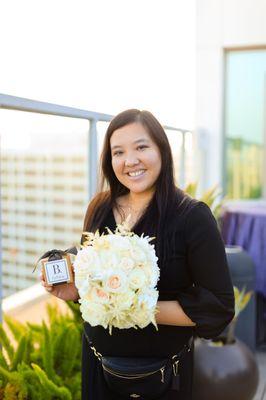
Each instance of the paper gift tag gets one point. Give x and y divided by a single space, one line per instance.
57 271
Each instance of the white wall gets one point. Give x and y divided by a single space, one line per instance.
220 24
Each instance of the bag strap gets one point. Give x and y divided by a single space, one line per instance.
185 349
96 353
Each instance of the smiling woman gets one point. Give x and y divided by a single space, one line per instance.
195 290
136 162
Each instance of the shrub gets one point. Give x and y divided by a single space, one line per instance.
45 361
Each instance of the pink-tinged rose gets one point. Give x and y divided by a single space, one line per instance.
102 294
98 295
114 282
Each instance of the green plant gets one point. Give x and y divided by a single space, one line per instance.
241 301
211 197
44 362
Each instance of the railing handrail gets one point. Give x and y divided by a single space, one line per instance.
23 104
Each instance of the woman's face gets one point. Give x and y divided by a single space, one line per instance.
136 159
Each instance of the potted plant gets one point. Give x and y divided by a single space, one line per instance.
224 367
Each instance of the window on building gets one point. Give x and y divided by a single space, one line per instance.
245 94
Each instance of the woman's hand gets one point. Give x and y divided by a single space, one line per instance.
64 291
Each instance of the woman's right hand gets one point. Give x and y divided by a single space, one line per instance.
64 291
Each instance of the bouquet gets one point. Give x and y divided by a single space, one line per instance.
116 275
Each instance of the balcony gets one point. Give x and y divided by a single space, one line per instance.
40 212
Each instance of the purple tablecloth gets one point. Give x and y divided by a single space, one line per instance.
246 227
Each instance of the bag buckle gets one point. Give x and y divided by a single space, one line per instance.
175 364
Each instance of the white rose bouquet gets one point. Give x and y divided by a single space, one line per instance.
116 275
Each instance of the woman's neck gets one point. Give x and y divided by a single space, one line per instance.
138 200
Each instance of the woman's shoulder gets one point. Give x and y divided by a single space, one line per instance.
184 203
200 218
188 208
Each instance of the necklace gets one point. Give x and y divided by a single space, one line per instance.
133 212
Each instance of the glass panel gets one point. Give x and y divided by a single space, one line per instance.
175 140
183 156
244 123
44 181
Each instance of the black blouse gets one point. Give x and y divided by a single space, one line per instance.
194 272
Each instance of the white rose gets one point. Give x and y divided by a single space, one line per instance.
148 298
137 254
94 313
109 259
125 300
141 318
83 286
126 264
149 250
119 243
86 261
137 278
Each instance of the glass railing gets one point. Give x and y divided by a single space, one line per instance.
48 174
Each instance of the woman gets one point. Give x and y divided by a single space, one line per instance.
195 289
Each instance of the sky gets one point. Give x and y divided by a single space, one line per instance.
103 56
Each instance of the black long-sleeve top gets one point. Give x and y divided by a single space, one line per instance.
195 273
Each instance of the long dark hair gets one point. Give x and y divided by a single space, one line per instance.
166 196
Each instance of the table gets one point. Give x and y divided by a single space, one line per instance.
245 225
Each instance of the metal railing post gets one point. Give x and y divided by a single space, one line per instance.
93 159
182 178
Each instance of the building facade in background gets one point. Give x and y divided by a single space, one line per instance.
231 93
43 203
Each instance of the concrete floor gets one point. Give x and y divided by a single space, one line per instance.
261 392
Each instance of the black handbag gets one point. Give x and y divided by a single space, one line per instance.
142 377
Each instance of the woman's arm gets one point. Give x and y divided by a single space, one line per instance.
171 313
209 302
